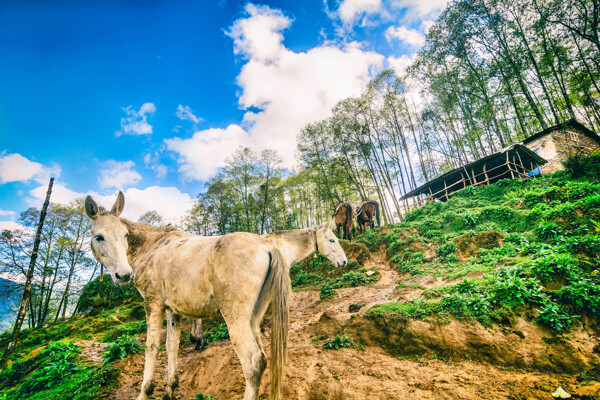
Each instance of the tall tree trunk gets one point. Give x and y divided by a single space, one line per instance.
27 291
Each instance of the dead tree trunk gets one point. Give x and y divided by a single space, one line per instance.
29 278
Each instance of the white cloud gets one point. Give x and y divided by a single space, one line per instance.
419 8
136 122
6 213
153 162
118 174
411 37
350 11
185 113
169 202
207 150
16 168
13 226
285 90
400 64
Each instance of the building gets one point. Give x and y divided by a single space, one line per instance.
514 161
548 148
560 142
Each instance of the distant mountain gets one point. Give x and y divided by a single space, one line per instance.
7 314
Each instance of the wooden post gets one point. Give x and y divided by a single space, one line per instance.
474 177
101 272
28 279
445 189
508 165
487 179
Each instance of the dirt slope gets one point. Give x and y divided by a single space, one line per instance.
374 373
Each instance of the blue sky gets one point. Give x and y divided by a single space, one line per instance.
153 97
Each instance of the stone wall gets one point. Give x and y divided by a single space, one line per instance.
559 145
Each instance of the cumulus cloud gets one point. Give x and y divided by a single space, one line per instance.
206 151
153 162
136 122
16 168
13 226
400 64
350 11
169 202
282 90
419 8
185 113
412 37
118 174
369 12
6 213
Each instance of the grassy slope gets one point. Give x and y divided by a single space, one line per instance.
511 248
518 245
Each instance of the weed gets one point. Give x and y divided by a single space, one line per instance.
123 346
338 342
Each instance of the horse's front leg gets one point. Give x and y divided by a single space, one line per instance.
155 315
173 334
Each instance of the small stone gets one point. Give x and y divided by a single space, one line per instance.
370 273
356 307
595 272
560 393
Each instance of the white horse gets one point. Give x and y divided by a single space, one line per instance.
181 274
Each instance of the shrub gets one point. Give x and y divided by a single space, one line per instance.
98 295
555 317
583 295
121 348
583 166
219 332
338 342
326 291
548 231
446 249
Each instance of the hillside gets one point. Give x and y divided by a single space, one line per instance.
493 294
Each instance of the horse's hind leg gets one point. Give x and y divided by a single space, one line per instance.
250 354
173 334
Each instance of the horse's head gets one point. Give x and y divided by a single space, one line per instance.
109 239
328 244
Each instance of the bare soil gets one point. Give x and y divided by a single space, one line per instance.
415 360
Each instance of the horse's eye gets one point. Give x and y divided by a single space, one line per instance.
331 240
99 238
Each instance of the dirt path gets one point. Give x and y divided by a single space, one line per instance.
313 373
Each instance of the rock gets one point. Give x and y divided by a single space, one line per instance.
595 272
370 273
560 393
356 307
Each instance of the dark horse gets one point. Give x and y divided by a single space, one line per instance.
343 216
366 212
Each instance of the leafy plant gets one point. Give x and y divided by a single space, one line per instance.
555 317
338 342
123 346
326 291
548 231
219 332
446 249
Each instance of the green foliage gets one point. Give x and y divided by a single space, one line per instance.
548 231
583 166
97 295
326 291
446 249
555 317
338 342
219 332
122 347
54 374
583 295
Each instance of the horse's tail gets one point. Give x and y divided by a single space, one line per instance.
349 213
377 212
278 281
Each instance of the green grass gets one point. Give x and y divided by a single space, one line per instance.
545 262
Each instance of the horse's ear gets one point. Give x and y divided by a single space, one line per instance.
91 208
329 225
117 208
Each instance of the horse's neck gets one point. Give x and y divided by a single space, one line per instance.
296 246
140 239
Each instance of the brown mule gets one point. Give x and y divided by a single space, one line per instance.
365 215
344 216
